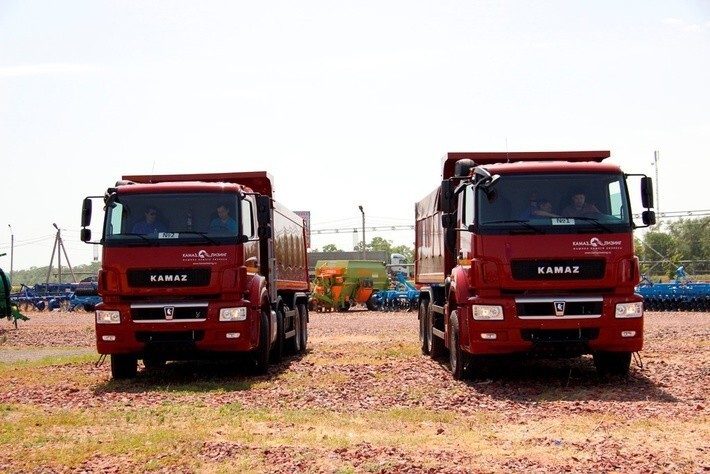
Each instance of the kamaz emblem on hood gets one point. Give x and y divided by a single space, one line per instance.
161 278
558 270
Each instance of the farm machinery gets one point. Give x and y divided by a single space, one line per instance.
8 307
679 295
402 296
341 284
57 297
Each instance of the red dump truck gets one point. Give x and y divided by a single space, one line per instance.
530 253
198 266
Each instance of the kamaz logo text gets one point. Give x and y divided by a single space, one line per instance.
168 278
596 242
559 270
204 254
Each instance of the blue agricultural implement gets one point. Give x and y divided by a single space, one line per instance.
57 297
679 295
403 296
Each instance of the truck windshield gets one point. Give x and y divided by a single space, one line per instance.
174 218
554 203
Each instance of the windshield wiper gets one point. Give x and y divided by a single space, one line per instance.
201 234
142 236
522 222
596 223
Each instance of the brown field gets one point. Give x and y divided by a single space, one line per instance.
362 399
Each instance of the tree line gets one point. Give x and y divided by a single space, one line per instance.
683 242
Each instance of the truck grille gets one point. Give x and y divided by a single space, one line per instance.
182 312
569 307
573 269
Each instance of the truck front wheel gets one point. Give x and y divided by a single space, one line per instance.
612 363
457 357
261 355
123 366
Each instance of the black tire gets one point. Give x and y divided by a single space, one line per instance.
612 363
434 344
371 306
303 313
294 343
261 354
457 357
345 307
423 320
123 366
153 362
277 350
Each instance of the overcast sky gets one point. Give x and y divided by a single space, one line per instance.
344 103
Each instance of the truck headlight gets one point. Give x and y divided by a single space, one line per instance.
629 310
233 314
487 313
108 317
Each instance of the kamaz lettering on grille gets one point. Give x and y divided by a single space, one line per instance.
572 270
159 278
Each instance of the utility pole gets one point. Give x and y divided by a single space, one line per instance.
58 249
658 200
363 233
12 250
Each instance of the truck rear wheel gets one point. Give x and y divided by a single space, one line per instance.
458 359
435 345
123 366
423 320
277 351
303 314
295 342
612 363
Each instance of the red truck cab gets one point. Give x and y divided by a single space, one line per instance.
194 266
510 263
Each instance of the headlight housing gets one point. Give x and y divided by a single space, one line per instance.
487 312
108 317
629 310
233 314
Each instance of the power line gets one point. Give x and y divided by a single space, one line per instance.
346 230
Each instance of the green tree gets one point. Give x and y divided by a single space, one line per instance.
331 248
685 240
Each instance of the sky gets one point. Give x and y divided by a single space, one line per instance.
346 104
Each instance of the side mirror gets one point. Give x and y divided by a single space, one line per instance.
85 235
86 213
647 192
648 217
447 197
448 220
263 210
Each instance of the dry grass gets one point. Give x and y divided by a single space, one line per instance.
363 402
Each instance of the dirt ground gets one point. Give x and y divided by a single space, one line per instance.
669 381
